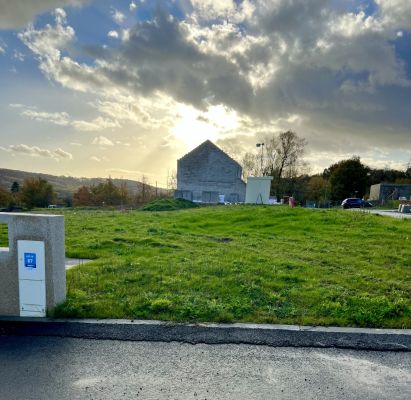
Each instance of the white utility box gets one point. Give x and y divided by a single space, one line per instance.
258 189
32 278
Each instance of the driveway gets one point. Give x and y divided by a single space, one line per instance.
67 368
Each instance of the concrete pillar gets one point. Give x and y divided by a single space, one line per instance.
37 227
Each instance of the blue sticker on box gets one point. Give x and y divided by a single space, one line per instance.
30 260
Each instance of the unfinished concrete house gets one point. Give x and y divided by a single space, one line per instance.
209 175
389 191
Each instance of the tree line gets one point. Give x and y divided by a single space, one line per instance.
34 192
282 157
37 192
109 194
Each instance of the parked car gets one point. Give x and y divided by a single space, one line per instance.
355 203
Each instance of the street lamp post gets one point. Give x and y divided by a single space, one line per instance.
262 154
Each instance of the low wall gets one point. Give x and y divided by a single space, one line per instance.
37 227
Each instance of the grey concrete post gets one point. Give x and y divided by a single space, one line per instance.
37 227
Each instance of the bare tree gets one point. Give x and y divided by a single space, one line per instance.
250 163
172 179
284 153
281 159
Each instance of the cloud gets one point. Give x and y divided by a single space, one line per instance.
395 13
97 124
63 154
94 158
3 47
36 151
19 105
64 119
18 56
227 10
59 118
18 13
102 141
118 16
47 44
113 34
132 6
127 172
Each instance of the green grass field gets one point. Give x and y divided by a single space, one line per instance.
240 263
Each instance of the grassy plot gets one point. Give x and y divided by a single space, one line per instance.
4 240
241 263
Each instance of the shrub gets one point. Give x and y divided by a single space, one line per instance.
169 205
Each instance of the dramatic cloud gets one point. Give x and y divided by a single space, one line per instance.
235 71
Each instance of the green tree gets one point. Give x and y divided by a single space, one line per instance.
6 199
37 192
348 178
318 189
83 197
15 187
106 193
15 194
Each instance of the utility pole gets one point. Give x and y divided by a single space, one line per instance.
262 155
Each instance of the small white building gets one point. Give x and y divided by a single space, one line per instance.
258 189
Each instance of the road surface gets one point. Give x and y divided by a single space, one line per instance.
67 368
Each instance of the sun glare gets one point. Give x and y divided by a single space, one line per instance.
194 127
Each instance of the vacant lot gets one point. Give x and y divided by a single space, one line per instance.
241 263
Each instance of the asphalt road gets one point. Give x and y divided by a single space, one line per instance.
66 368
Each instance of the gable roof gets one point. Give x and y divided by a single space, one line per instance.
208 145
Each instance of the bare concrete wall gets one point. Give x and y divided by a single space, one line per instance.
389 191
206 172
46 228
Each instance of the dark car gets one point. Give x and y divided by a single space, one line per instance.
355 203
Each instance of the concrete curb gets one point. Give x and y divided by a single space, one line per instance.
257 334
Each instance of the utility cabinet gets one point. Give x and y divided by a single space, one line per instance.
32 278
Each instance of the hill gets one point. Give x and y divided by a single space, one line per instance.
67 185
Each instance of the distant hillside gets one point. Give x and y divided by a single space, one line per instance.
66 185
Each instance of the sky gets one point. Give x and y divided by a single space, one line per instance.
124 88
